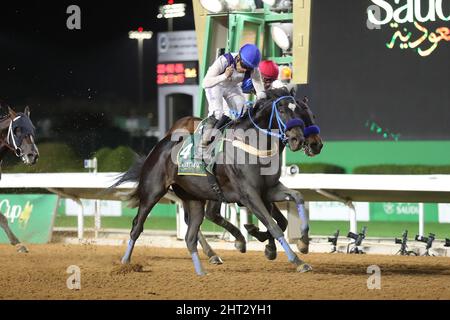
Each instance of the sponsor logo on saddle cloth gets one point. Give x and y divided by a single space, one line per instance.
187 164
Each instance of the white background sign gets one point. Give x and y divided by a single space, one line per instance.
106 208
336 211
177 46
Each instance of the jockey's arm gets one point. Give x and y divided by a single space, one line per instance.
258 84
216 73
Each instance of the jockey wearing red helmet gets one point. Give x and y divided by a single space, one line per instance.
269 72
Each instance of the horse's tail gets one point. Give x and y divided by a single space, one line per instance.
132 174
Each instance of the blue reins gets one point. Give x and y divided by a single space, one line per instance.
281 125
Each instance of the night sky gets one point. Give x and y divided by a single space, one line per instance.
47 66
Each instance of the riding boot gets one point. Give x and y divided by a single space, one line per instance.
222 122
208 128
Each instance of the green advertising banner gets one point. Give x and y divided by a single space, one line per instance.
30 216
400 211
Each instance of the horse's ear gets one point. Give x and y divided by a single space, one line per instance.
27 111
12 113
292 91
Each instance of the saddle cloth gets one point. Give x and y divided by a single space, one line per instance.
187 164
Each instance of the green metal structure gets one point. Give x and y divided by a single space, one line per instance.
241 28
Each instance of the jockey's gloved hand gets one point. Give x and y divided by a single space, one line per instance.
261 95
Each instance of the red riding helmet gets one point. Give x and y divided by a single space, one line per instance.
269 69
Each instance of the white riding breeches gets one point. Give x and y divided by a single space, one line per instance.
232 95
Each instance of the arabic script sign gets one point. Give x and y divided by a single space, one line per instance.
409 23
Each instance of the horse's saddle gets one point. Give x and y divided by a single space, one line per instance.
188 165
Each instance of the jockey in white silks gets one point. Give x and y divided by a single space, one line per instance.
223 82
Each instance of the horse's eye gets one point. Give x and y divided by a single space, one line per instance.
18 131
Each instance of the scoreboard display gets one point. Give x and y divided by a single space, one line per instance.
380 69
177 73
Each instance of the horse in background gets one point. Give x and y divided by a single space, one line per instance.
17 134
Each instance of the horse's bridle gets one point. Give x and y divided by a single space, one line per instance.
10 136
283 127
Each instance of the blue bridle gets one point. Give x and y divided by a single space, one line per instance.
283 127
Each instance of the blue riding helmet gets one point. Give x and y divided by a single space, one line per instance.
250 56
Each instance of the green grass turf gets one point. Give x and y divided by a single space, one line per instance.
325 228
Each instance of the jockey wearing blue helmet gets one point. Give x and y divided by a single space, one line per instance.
223 82
250 56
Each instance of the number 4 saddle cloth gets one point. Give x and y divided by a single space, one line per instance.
188 165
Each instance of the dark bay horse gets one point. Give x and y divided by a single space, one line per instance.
313 146
254 185
17 136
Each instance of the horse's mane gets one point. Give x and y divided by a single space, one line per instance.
271 95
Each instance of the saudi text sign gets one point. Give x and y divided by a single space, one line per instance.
418 25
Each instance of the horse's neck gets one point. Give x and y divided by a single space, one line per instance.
4 126
3 152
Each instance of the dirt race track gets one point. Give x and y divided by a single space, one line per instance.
168 274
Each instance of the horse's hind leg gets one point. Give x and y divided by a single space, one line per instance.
212 255
147 202
195 219
213 214
11 236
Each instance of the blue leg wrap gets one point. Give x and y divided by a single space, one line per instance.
301 213
197 264
127 255
292 257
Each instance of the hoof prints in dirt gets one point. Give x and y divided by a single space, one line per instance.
123 269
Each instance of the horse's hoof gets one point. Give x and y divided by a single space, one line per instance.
202 273
270 252
215 260
304 267
21 248
303 246
241 246
125 261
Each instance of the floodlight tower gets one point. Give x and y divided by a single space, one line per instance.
140 35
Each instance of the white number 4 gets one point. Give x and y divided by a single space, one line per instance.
186 152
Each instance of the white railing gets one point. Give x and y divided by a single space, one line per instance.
315 187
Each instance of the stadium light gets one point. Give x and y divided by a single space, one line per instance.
169 11
214 6
282 35
279 5
140 35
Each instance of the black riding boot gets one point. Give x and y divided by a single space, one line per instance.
222 122
208 129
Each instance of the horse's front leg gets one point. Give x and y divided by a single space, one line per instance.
12 238
282 193
252 200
